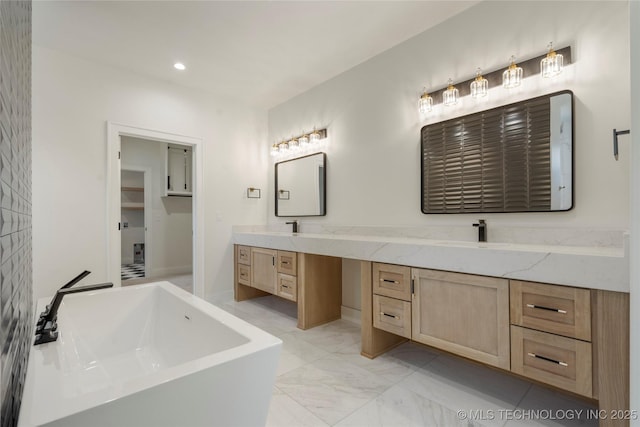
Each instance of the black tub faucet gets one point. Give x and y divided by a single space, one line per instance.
482 230
295 225
46 328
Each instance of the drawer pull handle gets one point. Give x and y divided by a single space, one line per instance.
390 281
541 307
537 356
285 262
285 286
389 315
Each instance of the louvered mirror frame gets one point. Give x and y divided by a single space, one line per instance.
514 158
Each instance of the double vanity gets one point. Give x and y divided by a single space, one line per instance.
557 315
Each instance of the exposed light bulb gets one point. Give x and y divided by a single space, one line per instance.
179 66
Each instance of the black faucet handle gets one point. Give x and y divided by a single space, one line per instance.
295 225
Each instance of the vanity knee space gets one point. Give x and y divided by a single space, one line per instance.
313 282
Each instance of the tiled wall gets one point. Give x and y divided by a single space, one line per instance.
15 196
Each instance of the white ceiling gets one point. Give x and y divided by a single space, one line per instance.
258 52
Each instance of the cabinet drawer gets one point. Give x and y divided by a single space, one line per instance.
392 281
392 315
560 310
244 255
244 274
287 287
560 361
287 262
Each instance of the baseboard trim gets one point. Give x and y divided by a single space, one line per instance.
351 314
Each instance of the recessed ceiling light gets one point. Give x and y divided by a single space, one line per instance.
179 66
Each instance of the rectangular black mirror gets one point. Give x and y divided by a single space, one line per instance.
514 158
301 186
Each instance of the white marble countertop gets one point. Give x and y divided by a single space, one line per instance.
595 267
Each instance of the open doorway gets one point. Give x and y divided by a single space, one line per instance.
156 233
171 221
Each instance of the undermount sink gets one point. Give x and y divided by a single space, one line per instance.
149 355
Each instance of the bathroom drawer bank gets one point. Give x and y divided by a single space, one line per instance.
570 338
314 282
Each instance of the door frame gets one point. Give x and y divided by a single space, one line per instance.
113 247
148 235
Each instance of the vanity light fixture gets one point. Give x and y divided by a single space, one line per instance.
512 76
300 144
179 66
551 65
451 95
479 86
425 104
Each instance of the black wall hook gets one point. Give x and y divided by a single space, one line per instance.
615 140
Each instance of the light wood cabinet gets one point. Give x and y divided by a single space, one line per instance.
561 310
392 315
551 335
314 282
288 263
263 269
244 255
464 314
391 280
552 359
287 287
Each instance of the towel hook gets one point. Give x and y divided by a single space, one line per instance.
615 140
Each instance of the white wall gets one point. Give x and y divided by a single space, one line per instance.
635 209
171 217
373 171
72 100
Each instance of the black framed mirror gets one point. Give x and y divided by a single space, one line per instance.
301 186
514 158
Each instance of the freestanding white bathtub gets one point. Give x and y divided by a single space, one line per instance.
149 355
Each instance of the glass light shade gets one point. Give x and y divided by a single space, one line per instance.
303 141
293 144
314 138
551 65
274 149
480 86
451 95
283 147
425 104
512 76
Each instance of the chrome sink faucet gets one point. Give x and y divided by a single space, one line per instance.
295 225
482 230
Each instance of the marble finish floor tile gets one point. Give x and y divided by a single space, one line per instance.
544 407
286 412
323 381
461 385
399 407
331 388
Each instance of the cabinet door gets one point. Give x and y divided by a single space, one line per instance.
263 269
464 314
